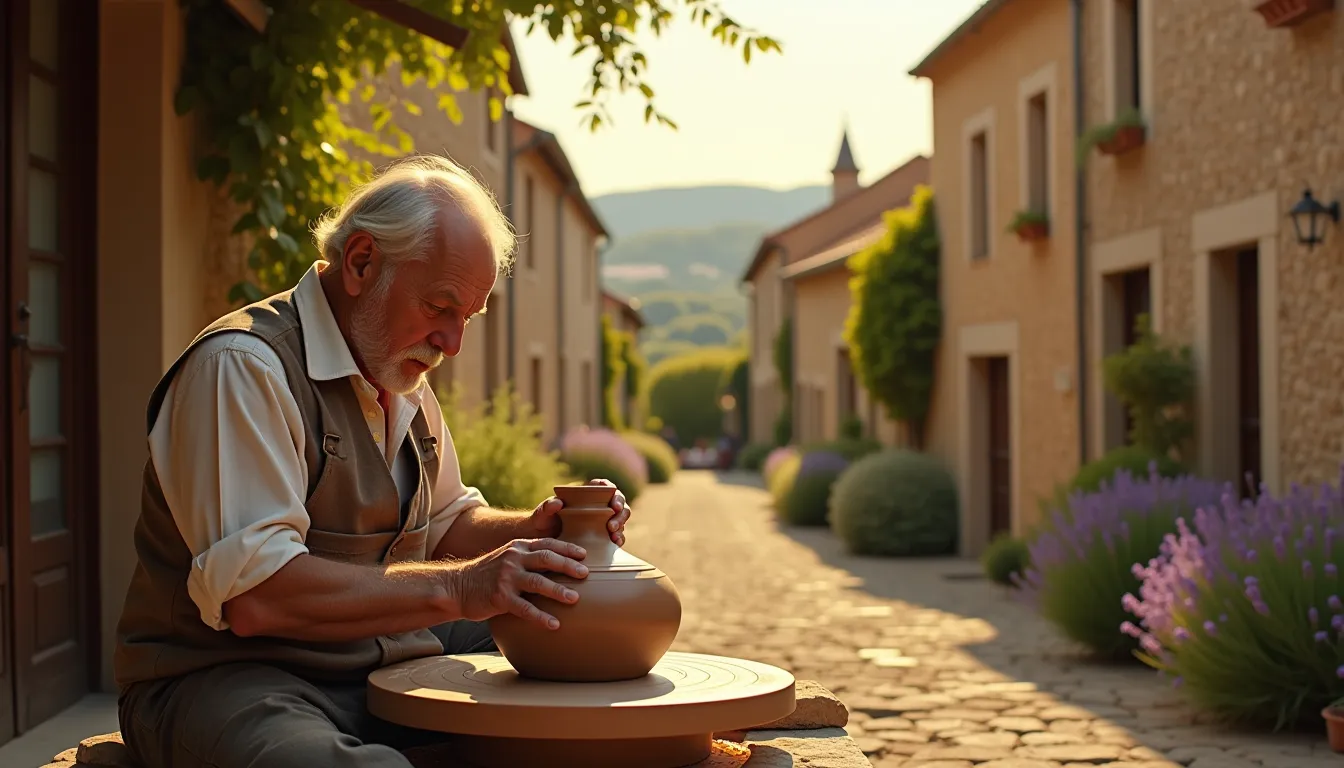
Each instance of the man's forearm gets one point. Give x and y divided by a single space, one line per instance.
483 529
316 599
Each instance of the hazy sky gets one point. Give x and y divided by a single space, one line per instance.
775 122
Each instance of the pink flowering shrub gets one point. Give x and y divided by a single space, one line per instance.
774 460
1243 606
602 453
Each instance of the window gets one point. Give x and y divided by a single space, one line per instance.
590 275
1038 154
536 384
587 375
978 200
1127 59
529 217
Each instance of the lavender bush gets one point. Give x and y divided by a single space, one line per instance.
1245 609
601 453
1082 560
809 499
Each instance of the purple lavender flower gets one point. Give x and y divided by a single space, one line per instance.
817 462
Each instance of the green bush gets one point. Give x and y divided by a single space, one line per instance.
851 428
1006 558
736 382
808 501
851 449
684 392
662 460
781 479
1155 380
499 449
613 373
897 503
895 319
752 456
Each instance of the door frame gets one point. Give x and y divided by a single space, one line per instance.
976 342
79 30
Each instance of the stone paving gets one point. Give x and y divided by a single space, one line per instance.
940 669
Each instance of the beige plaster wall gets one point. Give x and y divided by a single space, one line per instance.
153 218
821 306
581 307
535 287
984 84
1241 117
765 314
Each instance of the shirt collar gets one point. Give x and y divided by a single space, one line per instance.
326 351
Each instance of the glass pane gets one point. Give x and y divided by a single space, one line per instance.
44 299
44 398
43 36
45 497
43 202
43 118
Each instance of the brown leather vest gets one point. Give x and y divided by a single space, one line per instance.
356 517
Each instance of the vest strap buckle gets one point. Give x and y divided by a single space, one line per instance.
331 445
430 446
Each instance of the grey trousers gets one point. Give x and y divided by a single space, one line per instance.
250 715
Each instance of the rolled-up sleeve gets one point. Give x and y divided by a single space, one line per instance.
451 496
228 449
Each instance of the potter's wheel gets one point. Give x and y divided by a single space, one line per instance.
664 719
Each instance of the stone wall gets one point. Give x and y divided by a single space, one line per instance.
1238 110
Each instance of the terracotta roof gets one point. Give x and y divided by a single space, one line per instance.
834 255
771 241
628 307
529 138
968 27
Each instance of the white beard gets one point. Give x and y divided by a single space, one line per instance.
370 339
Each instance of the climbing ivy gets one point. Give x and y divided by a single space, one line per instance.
269 105
612 373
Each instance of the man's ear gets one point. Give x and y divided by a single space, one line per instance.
360 263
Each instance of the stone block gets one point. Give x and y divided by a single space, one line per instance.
816 707
814 748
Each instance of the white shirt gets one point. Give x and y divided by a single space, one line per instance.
228 448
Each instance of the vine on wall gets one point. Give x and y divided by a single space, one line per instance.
269 103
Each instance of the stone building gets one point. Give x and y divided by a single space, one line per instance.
118 255
1241 114
1005 414
799 272
625 318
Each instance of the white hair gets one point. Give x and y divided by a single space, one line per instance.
399 208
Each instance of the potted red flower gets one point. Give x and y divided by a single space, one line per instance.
1030 226
1127 132
1334 724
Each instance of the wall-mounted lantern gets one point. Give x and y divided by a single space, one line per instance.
1309 219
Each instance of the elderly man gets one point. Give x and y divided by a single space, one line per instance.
304 520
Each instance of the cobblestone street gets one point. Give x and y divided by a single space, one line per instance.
940 669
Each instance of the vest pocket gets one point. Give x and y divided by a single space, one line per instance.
360 548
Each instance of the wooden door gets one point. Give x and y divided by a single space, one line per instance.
1136 296
7 682
1000 447
49 301
1248 368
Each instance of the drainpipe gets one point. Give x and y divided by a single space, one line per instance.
1080 232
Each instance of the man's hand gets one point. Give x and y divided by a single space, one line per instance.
494 583
546 517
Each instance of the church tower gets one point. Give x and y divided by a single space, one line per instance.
845 174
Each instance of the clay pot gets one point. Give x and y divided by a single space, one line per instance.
1127 138
626 617
1334 726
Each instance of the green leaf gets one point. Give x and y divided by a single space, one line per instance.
247 222
287 242
185 100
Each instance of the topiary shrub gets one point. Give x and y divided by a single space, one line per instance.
851 448
780 482
1082 564
1005 559
808 501
1244 607
896 503
752 456
499 449
658 455
683 391
601 453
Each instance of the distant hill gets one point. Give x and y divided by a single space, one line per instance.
632 213
682 251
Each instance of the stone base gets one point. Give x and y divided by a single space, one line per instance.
813 736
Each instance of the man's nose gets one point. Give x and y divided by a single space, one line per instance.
448 341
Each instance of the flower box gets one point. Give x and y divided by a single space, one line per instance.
1030 226
1126 138
1288 13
